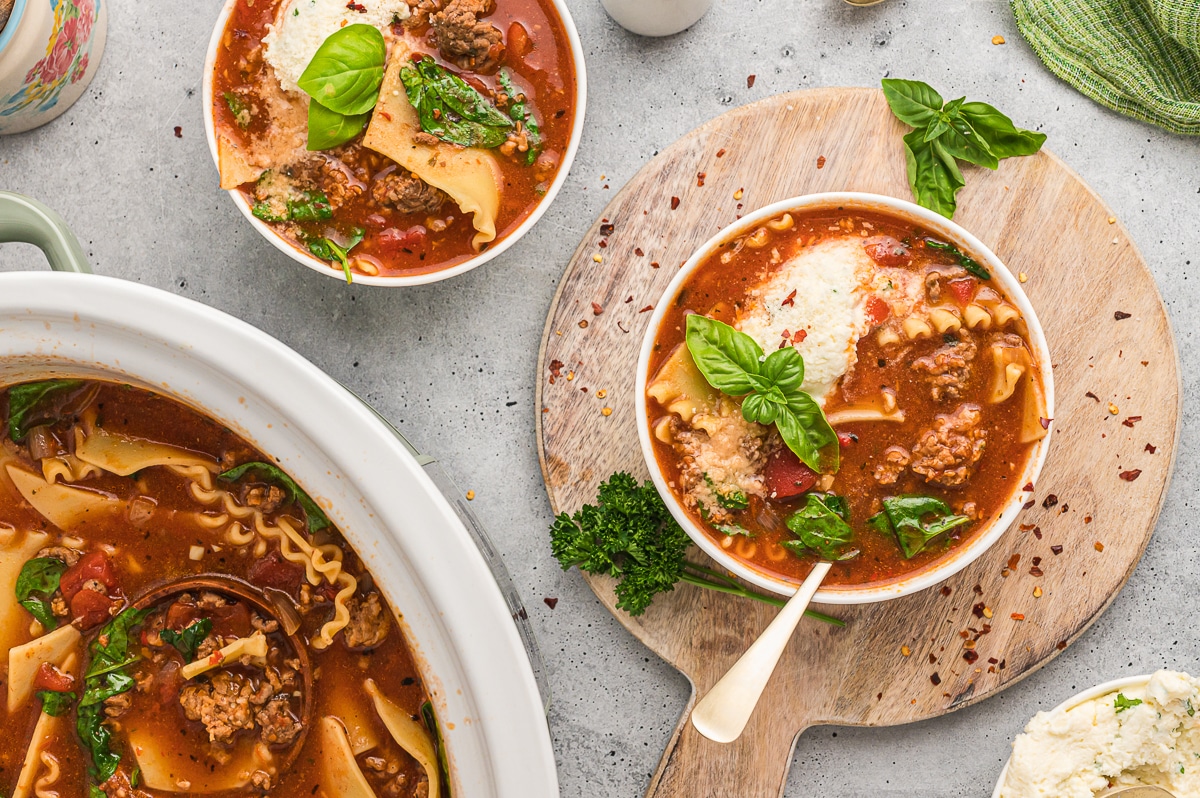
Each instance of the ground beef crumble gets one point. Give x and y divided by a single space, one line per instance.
407 193
368 626
466 40
948 367
946 454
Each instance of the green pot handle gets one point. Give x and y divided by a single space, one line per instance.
29 221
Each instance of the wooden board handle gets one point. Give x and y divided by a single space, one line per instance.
754 766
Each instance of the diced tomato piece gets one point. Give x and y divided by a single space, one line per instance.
393 239
49 677
232 620
377 221
887 251
93 565
180 616
963 289
169 682
786 476
275 572
846 438
877 310
90 608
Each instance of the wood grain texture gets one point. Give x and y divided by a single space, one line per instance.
1040 219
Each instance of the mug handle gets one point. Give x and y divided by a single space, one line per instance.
29 221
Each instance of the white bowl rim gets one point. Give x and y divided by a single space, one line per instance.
959 557
406 279
509 723
1090 694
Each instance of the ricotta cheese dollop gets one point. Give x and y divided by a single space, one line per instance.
302 26
1140 736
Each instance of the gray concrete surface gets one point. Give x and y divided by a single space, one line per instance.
453 364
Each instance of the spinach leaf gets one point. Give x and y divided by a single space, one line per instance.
25 404
110 653
105 686
37 581
96 792
328 249
821 529
346 71
1122 703
733 363
314 516
904 517
328 129
239 109
187 641
973 132
89 725
439 745
733 529
54 703
964 260
520 111
451 109
310 206
113 653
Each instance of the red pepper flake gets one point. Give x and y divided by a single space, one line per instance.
1150 449
628 299
1013 560
674 203
1016 616
935 679
551 602
933 658
946 590
1027 527
992 660
1028 504
1121 315
638 251
607 229
359 7
1045 422
653 264
1050 501
750 81
1028 487
1061 645
1091 395
583 323
1098 546
1130 476
721 153
178 132
1056 550
978 590
978 610
1037 532
970 656
621 327
700 179
799 337
789 300
556 368
596 309
1129 422
1035 571
820 161
384 114
603 243
647 308
1037 560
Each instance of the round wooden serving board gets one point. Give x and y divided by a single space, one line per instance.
1118 395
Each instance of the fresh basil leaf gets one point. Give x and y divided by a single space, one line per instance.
314 516
962 142
328 129
520 111
784 369
25 405
758 409
189 639
346 71
905 517
932 174
239 109
1004 138
821 530
449 108
54 703
36 583
725 356
806 431
913 102
964 260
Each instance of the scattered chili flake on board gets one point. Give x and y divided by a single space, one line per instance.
1016 616
721 153
1131 475
737 195
674 203
1150 449
597 309
603 244
600 394
1028 487
1087 519
1091 395
1121 315
978 610
946 591
970 656
1098 546
551 602
647 308
1113 409
987 612
638 251
653 264
1036 571
1037 591
607 229
178 132
1129 422
820 161
583 324
935 679
1037 532
606 411
1013 560
1056 550
1061 645
905 651
750 81
1049 501
700 179
1028 504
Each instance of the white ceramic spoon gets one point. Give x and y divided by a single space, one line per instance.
722 714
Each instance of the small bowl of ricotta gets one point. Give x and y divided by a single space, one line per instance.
1137 731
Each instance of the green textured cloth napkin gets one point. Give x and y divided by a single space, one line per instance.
1138 57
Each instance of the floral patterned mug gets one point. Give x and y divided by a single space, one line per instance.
49 51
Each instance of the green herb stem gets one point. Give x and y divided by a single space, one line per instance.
706 576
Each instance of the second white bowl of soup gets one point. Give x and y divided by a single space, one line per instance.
849 377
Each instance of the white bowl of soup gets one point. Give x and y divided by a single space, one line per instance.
410 191
847 377
221 572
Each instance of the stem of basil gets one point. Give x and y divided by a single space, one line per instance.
706 576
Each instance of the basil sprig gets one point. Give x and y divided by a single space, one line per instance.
916 521
946 133
451 109
821 526
733 363
343 81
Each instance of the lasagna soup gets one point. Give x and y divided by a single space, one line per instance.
843 386
388 137
178 617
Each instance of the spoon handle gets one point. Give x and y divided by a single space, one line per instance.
723 713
